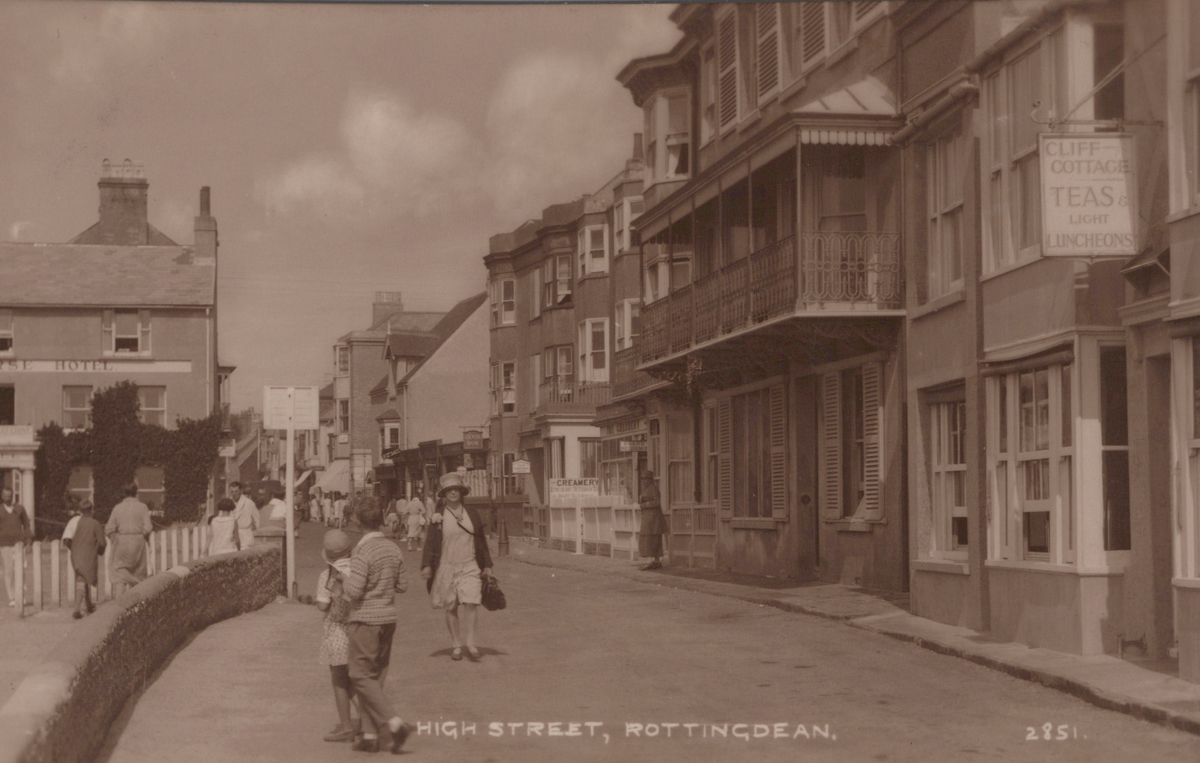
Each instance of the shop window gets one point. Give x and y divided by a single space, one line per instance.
589 458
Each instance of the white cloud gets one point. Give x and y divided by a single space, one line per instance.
321 182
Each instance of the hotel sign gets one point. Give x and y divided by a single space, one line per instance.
1089 195
97 366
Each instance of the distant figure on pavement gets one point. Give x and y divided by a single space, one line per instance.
129 527
335 641
224 535
416 515
339 510
391 517
14 529
376 576
453 563
84 537
246 513
653 523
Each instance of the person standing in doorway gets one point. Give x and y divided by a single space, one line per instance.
245 513
129 527
14 529
650 541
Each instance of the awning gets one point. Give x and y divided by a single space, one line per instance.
831 119
302 477
385 472
336 477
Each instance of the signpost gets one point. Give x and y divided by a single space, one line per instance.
289 409
1089 195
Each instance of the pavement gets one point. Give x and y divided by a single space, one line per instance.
593 638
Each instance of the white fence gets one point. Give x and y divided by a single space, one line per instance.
596 530
46 577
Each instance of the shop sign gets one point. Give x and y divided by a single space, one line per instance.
574 487
472 439
632 446
520 466
1089 195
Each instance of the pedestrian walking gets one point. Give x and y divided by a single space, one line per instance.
454 560
14 529
84 538
653 523
416 515
335 641
376 576
339 510
223 537
327 509
246 513
129 527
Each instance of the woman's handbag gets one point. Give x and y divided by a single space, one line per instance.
493 597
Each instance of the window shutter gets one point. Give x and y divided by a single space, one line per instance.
143 331
768 48
107 327
831 445
779 476
872 375
812 32
863 8
725 457
727 77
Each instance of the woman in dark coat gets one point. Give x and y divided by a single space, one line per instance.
87 545
453 562
650 541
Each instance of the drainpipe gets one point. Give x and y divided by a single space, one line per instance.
958 91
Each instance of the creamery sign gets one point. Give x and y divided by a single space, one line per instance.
1089 195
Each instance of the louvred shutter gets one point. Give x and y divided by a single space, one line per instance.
812 31
863 8
727 77
872 375
725 457
779 476
768 48
831 445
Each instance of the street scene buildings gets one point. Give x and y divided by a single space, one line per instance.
893 300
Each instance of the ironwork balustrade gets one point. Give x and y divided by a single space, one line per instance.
562 392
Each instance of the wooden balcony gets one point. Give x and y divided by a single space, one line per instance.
627 381
558 396
825 275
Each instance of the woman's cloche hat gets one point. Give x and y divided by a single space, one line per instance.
453 479
337 546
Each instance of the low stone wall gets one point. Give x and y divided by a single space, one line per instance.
62 711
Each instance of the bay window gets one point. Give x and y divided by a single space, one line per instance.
556 281
593 350
626 322
593 250
503 298
668 137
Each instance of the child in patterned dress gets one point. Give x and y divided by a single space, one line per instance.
335 643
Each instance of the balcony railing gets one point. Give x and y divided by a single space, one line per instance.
573 395
826 272
627 380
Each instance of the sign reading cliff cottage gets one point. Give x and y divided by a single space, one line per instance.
1089 195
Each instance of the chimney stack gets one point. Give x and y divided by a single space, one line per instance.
637 147
205 232
123 190
386 304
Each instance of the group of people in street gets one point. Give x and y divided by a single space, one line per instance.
357 590
409 519
328 507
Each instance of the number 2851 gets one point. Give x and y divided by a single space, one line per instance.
1048 732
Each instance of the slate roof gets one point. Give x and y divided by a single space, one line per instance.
108 276
410 344
448 325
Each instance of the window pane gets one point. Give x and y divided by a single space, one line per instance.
152 397
1027 411
1002 414
1041 383
127 322
1114 426
1068 417
1037 532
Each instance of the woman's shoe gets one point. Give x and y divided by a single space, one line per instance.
473 654
77 615
340 734
456 654
362 744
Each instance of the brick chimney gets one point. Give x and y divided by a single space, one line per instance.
205 231
385 305
123 205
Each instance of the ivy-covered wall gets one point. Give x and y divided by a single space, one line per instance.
115 445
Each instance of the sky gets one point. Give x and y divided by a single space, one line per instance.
350 148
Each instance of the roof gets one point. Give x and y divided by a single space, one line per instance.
109 276
407 344
391 414
380 386
865 98
448 325
154 237
407 321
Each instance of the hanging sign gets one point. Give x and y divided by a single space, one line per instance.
520 466
1089 194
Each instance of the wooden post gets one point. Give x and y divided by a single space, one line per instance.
174 531
19 578
36 566
56 572
70 581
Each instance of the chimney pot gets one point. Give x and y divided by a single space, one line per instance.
637 146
